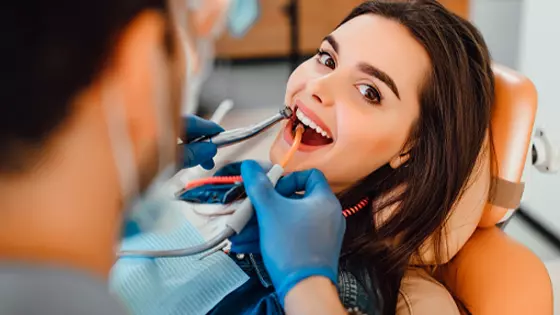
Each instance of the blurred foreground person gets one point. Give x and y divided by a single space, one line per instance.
88 123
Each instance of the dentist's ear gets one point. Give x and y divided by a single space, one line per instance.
134 69
399 160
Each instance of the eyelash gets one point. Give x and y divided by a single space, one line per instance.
377 96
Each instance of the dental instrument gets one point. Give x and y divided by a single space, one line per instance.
244 211
234 225
237 179
231 137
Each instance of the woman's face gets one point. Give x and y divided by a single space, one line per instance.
360 95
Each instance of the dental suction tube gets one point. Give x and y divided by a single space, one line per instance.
244 212
235 224
182 252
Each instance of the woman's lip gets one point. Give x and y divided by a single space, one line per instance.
309 113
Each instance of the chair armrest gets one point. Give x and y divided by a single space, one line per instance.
494 274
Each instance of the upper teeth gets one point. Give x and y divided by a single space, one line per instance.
310 123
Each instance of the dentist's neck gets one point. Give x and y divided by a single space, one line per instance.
66 210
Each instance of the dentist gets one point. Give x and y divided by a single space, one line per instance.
87 127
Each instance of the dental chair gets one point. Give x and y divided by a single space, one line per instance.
486 269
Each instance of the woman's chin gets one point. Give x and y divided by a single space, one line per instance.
279 149
277 153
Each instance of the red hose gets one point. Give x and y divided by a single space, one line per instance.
238 180
213 181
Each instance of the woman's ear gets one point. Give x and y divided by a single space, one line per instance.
399 160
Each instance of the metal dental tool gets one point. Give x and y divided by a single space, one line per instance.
244 211
235 224
234 136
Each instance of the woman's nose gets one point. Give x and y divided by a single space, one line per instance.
320 90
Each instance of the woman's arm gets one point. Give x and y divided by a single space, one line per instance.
315 295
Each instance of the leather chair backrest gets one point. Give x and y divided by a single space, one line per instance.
513 118
480 206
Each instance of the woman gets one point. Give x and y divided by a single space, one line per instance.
397 105
404 92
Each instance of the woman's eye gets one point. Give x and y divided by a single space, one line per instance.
370 93
325 59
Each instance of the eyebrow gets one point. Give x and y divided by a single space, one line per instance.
368 69
330 39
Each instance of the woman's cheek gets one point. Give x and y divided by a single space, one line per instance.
353 129
369 142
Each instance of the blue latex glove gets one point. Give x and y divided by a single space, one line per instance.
248 242
299 238
199 153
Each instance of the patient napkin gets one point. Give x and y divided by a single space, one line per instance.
166 286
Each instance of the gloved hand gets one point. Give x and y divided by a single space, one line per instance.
248 241
299 238
199 153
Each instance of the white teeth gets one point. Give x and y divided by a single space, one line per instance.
308 122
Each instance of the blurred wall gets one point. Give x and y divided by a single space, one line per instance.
539 59
525 35
498 20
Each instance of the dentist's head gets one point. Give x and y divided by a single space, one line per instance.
89 117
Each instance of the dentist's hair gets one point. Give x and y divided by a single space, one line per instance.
52 50
455 112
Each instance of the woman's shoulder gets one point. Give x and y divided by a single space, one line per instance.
421 294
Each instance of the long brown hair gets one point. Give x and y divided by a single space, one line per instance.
455 110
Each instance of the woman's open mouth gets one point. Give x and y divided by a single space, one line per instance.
313 135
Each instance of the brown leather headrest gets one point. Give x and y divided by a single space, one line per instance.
512 128
512 125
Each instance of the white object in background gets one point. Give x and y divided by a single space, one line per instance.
188 174
547 154
209 22
223 109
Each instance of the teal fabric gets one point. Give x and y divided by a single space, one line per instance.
167 286
242 15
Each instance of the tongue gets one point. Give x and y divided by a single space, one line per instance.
311 137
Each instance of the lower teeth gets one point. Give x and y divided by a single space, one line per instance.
294 127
